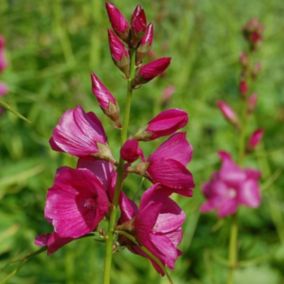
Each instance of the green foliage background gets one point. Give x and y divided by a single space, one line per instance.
52 47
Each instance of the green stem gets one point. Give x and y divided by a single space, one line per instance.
233 249
120 176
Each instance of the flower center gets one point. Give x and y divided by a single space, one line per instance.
90 203
232 193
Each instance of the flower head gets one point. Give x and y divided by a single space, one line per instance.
156 225
76 202
231 187
165 123
80 134
106 100
118 21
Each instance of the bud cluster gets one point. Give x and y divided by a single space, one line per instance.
82 197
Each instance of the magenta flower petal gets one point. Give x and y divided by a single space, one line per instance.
255 139
103 170
165 123
76 203
131 151
175 148
78 133
153 69
128 208
172 174
117 20
52 241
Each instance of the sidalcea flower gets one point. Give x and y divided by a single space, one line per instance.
243 87
76 202
138 25
118 22
151 70
106 100
130 151
167 165
231 187
156 225
255 139
80 134
228 113
145 44
165 123
51 241
251 103
119 53
3 89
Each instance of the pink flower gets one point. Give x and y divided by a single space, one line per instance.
130 151
167 165
255 139
251 102
243 87
138 21
119 52
76 203
118 21
165 123
151 70
228 112
156 225
145 44
51 241
231 187
3 89
104 171
106 100
80 134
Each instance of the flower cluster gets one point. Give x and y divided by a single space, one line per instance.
232 186
81 198
3 66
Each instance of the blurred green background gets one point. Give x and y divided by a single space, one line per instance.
53 45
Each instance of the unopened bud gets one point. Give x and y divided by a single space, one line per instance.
254 139
251 103
130 151
145 44
228 113
243 87
253 32
138 25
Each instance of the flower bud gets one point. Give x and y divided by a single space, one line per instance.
228 113
253 32
151 70
255 139
130 151
145 44
106 100
3 63
165 123
118 21
244 60
3 89
138 25
256 70
251 102
119 53
243 87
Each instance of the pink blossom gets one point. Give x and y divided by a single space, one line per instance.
156 225
119 52
51 241
167 165
118 21
165 123
231 187
76 202
78 133
255 139
138 21
3 89
106 100
130 151
104 171
228 112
